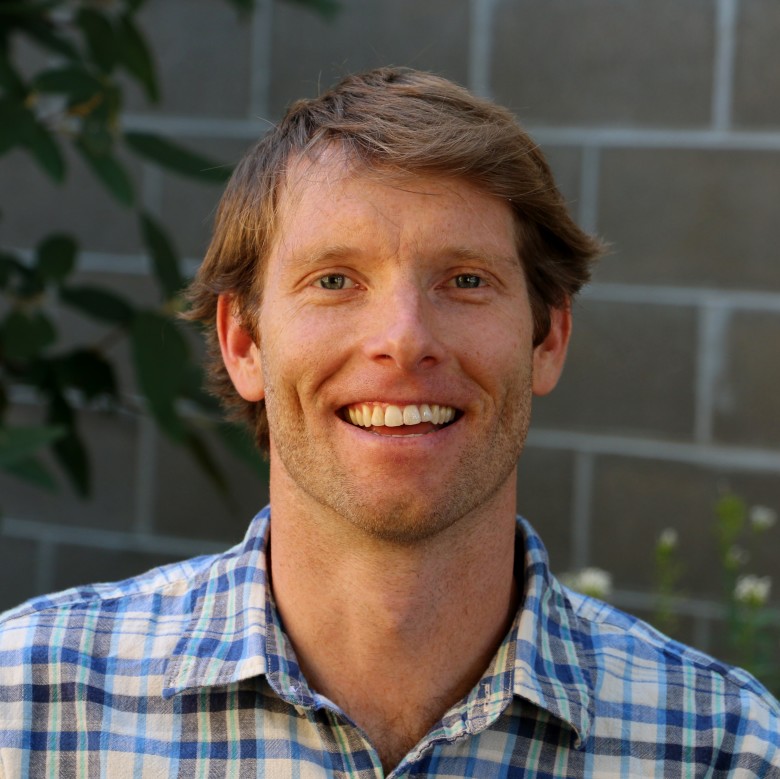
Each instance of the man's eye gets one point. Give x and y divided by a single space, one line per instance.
468 281
334 281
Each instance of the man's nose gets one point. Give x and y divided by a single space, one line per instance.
404 330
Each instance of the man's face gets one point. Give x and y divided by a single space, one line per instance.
394 350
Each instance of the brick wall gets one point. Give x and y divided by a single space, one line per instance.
662 122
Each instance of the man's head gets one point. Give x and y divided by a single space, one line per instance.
392 123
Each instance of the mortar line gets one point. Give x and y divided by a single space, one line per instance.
260 58
683 296
605 137
481 46
723 70
731 458
146 475
584 468
590 170
712 324
99 538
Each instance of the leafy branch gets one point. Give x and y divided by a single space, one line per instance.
93 47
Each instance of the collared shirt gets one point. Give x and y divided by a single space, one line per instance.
186 671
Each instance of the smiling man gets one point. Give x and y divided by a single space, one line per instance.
389 284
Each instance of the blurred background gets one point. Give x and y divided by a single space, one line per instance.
661 120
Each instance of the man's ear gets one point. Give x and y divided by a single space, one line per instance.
550 354
240 353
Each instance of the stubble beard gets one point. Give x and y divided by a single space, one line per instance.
403 517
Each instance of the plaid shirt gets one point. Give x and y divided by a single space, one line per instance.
186 671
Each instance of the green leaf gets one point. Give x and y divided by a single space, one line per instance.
176 158
164 259
109 171
88 372
42 31
17 123
243 6
56 257
10 79
25 335
134 54
43 147
74 81
17 444
26 8
328 9
99 303
33 471
10 266
99 34
19 127
69 450
160 356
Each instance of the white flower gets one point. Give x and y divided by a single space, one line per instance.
737 556
762 517
753 590
668 539
590 581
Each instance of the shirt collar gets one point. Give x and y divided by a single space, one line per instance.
552 646
235 633
225 640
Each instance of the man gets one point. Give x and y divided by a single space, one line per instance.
389 284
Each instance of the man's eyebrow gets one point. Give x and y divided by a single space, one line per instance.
469 255
313 257
305 256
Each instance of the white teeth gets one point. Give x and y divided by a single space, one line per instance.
376 415
394 416
411 415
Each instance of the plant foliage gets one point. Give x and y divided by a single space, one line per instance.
93 48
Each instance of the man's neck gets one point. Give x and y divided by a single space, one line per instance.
394 634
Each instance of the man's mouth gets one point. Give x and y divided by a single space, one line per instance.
424 418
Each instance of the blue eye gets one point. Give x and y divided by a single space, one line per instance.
333 281
468 281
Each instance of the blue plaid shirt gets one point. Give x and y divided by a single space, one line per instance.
186 671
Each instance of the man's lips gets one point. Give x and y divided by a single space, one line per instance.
423 417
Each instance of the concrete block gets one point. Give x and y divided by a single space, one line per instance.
34 206
77 565
17 571
188 206
747 404
630 371
187 503
111 443
310 53
757 65
202 51
634 500
544 498
605 62
691 217
566 165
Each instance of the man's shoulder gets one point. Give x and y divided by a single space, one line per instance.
151 602
628 652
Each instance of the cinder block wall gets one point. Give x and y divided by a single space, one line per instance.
661 119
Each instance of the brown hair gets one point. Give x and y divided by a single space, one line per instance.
392 120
